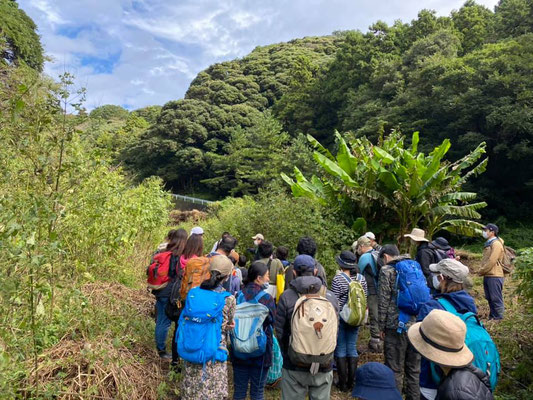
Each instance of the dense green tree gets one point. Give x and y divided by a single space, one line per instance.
514 18
110 112
149 113
19 41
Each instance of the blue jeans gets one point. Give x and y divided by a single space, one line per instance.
346 340
242 375
162 324
493 293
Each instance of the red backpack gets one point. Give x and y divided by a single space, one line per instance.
158 270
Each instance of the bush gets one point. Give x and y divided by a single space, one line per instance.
282 220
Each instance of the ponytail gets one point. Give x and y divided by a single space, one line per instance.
215 280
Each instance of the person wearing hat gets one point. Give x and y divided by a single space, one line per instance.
375 245
443 247
400 356
258 239
298 382
210 381
448 278
375 381
492 271
197 231
425 255
306 245
440 338
368 267
346 356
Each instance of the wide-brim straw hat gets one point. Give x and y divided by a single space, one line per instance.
417 235
440 338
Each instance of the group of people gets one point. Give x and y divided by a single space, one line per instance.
271 314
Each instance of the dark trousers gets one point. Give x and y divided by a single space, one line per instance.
175 356
255 377
494 294
404 360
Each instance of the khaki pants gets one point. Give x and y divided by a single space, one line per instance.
404 360
296 385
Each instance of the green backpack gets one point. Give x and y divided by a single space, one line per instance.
353 312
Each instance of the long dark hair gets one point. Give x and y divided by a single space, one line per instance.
215 280
256 270
194 246
177 242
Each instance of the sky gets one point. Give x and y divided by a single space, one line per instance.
136 53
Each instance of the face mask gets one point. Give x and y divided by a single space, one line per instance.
436 282
485 234
256 242
265 285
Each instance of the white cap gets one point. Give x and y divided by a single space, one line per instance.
370 235
197 231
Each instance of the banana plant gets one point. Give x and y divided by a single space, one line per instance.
392 188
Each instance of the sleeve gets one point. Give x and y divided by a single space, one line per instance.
333 299
363 284
228 312
384 296
280 320
424 258
363 263
336 286
496 251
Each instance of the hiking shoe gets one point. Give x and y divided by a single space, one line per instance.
375 345
164 355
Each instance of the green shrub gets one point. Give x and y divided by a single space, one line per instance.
282 219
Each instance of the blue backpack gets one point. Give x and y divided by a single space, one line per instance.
412 290
478 340
200 327
248 339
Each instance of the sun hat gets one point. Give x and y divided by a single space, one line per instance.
222 264
304 263
418 235
364 241
370 235
440 338
346 260
492 227
457 271
258 237
441 243
375 381
197 231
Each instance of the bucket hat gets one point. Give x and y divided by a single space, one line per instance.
417 235
375 381
440 338
347 260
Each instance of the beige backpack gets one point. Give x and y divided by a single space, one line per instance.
314 326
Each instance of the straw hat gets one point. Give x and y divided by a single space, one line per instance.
418 235
440 338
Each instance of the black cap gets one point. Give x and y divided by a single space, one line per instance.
347 260
492 227
441 243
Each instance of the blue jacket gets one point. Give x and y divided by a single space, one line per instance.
463 303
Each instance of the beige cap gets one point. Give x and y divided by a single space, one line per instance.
258 236
222 264
453 269
417 235
440 338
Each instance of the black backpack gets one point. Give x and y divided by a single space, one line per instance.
174 305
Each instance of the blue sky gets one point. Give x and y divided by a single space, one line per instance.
142 52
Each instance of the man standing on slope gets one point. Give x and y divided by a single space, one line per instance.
492 271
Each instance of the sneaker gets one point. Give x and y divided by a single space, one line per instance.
164 355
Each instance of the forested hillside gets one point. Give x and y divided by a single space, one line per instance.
466 77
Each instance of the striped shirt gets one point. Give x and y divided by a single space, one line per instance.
340 287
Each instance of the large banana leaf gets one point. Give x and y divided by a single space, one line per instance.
466 211
462 227
345 157
334 169
321 149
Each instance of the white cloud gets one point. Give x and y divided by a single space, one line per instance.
158 46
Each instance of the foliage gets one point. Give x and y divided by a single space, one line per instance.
392 189
524 271
66 216
252 157
149 113
19 41
220 100
109 111
282 220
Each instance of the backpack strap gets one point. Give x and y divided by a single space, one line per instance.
348 279
450 308
260 295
